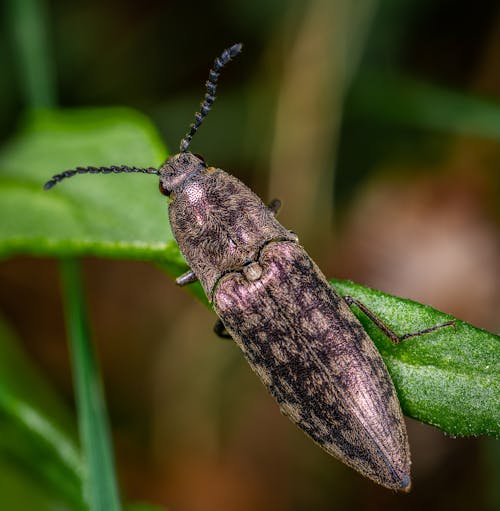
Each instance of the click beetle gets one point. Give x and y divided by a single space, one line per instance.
297 333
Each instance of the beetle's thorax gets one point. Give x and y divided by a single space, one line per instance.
220 225
178 170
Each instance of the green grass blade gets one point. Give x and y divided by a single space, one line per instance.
449 378
27 22
100 486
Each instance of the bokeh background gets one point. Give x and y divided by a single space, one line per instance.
377 124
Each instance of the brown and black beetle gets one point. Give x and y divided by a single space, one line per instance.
296 332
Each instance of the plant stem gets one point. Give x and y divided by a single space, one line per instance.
27 20
100 488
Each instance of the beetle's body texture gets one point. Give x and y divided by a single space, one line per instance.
312 354
297 334
219 224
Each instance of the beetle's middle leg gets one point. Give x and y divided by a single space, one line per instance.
393 336
186 278
274 206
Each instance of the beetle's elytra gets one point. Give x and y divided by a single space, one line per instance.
296 332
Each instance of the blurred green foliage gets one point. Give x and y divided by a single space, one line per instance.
37 433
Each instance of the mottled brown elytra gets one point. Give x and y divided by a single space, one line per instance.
296 332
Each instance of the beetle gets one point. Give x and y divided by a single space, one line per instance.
297 333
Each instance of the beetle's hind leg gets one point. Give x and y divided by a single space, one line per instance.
186 278
393 336
220 330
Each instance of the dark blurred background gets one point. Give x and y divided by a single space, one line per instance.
357 115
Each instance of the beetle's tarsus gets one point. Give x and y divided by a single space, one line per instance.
428 330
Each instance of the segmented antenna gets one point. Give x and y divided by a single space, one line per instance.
96 170
211 85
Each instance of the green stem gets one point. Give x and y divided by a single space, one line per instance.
27 20
100 488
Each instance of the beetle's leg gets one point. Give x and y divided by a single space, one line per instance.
274 206
220 330
393 336
186 278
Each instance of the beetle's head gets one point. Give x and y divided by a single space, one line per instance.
178 169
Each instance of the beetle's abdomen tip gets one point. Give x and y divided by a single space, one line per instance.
405 484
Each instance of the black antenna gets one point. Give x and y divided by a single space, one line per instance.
211 84
96 170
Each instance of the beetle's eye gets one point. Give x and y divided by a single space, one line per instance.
200 157
163 189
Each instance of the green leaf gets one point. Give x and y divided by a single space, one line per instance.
100 486
36 430
449 378
104 215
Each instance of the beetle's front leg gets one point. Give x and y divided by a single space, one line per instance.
393 336
186 278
